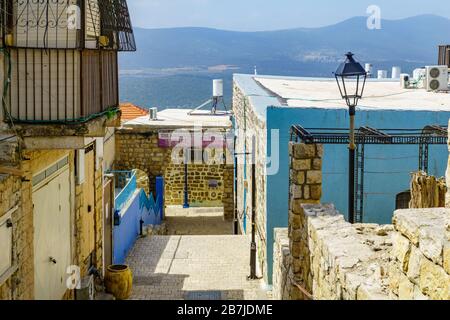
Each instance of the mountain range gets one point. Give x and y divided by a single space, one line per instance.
307 51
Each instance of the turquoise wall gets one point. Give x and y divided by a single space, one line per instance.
387 167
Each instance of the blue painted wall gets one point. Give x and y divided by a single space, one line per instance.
125 235
387 167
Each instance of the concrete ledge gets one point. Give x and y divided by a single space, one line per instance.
92 128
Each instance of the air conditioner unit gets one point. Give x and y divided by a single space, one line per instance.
437 78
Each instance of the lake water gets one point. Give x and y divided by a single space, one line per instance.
172 91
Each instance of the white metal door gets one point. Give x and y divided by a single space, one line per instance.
52 237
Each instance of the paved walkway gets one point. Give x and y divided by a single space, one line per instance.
193 267
197 221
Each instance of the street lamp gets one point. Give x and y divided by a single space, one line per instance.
351 79
186 186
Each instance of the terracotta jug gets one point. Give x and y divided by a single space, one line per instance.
119 281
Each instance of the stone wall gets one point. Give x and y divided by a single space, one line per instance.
427 191
305 188
18 285
141 151
17 191
420 268
346 262
199 175
97 254
249 124
282 272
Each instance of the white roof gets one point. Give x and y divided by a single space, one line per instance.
378 95
180 118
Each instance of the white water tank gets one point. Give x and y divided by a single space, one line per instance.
218 88
396 72
382 74
153 113
369 69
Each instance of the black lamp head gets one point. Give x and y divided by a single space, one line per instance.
352 72
350 68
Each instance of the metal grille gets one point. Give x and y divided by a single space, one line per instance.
41 24
66 24
203 295
444 55
116 25
370 136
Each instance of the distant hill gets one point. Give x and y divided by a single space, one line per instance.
409 42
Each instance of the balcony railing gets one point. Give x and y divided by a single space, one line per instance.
63 86
66 24
126 185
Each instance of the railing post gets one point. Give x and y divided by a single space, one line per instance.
160 196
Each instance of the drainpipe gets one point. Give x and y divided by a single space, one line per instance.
253 243
236 216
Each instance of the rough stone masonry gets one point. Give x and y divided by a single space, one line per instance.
328 258
140 150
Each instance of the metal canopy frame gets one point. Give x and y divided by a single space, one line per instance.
429 135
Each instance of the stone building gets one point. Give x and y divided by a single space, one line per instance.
267 107
153 147
60 94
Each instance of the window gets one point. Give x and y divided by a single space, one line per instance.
402 200
50 171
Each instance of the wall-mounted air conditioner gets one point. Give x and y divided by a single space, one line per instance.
437 78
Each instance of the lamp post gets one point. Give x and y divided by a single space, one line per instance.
351 79
186 185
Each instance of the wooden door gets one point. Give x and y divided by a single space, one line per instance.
51 208
108 218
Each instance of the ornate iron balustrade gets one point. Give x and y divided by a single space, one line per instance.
66 24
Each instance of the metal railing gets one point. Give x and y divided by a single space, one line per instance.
66 24
127 183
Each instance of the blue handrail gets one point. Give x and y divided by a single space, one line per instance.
128 190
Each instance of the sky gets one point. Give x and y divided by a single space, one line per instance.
261 15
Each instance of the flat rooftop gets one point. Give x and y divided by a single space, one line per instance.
181 119
293 92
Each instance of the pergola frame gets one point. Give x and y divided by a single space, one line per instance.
429 135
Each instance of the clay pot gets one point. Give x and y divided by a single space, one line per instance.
119 281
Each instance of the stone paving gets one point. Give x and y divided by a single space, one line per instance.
197 221
180 267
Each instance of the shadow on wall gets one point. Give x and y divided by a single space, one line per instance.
140 210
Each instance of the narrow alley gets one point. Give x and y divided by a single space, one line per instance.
189 265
